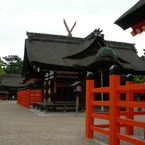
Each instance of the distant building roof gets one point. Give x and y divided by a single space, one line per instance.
12 80
133 16
3 92
55 52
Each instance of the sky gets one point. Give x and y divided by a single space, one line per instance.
46 16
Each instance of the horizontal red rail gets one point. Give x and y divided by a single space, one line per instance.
103 125
108 125
130 139
101 90
131 122
100 116
131 87
102 103
131 104
139 113
101 130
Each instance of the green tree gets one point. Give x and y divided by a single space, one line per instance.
140 78
12 64
1 68
143 56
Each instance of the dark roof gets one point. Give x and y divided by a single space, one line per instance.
57 51
12 80
54 52
133 16
3 92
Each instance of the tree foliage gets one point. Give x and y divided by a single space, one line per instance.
1 68
12 64
143 56
140 78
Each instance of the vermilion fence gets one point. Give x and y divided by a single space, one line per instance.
115 103
26 97
3 96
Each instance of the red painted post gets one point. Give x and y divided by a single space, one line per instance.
114 99
129 110
89 107
115 122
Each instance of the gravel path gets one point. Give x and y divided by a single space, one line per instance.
20 126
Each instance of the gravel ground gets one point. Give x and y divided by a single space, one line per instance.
21 126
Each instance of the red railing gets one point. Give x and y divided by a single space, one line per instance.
115 103
26 97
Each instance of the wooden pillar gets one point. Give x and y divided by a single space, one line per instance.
129 110
77 102
114 77
54 90
89 107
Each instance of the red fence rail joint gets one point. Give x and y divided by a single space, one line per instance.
114 116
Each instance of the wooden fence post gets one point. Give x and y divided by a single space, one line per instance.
89 107
129 110
114 76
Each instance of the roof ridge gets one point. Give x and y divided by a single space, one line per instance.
12 75
121 45
120 42
32 35
54 37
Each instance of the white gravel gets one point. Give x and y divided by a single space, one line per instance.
22 126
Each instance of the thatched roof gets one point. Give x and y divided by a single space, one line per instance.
55 52
12 80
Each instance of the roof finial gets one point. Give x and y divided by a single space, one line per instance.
98 32
68 30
